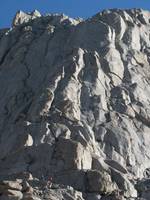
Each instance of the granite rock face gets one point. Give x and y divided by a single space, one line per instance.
75 106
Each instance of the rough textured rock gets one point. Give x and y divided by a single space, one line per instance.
71 155
74 114
99 182
22 17
11 190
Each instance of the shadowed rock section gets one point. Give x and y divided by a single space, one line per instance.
75 107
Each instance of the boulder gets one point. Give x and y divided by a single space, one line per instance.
124 184
74 178
99 182
78 157
11 195
12 185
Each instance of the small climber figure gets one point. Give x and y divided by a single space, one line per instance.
49 182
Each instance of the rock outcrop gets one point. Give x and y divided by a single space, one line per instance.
75 107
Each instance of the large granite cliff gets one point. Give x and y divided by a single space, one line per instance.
75 107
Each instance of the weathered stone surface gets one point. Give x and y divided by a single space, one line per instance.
75 103
99 182
11 195
22 17
143 188
99 164
65 193
71 155
29 196
116 165
124 184
74 178
91 196
13 185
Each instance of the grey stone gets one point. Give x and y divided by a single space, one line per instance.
74 178
91 196
12 195
75 102
22 17
124 184
99 182
72 155
99 164
116 165
12 185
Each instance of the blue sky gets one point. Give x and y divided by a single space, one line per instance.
73 8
